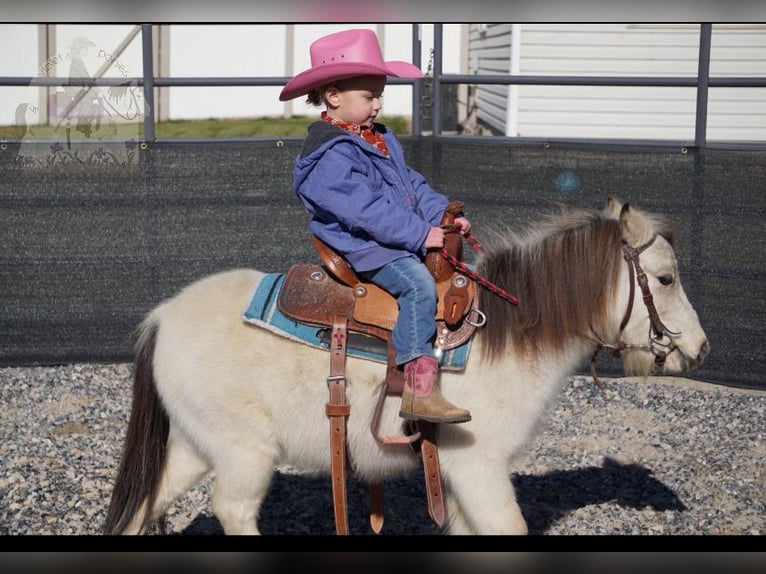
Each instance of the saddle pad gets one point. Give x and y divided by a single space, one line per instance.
263 312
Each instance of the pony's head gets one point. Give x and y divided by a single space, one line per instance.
573 280
660 326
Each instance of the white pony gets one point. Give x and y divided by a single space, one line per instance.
214 394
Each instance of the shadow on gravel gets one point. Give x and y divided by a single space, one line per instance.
547 498
299 505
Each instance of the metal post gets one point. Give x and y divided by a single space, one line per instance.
703 83
437 85
46 42
287 110
512 109
148 76
417 87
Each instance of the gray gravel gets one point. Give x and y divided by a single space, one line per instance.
667 456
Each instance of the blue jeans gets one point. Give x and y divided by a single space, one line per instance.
410 282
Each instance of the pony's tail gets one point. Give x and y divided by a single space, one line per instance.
143 454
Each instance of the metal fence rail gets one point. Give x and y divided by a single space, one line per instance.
702 82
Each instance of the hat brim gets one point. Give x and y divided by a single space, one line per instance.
318 76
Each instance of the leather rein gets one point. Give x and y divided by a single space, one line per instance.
463 268
657 329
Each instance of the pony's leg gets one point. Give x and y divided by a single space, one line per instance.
240 486
456 520
183 469
486 499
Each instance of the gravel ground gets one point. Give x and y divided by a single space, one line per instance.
668 456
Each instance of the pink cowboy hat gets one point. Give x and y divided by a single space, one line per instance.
344 55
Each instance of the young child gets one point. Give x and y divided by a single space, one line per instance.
369 206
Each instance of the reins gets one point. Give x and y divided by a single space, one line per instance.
463 268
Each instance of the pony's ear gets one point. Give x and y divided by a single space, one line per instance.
612 207
636 229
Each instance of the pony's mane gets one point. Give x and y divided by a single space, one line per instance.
563 268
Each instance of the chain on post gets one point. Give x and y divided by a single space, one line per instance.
427 99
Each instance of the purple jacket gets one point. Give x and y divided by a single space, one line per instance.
370 208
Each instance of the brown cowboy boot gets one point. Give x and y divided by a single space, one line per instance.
421 398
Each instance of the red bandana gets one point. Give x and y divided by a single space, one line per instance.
369 134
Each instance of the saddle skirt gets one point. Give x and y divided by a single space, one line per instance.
300 305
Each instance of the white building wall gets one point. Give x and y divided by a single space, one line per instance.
261 51
625 50
18 57
737 114
195 50
234 51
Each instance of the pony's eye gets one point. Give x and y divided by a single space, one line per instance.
665 279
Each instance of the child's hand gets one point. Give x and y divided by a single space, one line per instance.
435 238
465 225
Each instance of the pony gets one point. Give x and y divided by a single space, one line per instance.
214 394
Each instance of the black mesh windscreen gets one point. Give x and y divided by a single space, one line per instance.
89 248
716 198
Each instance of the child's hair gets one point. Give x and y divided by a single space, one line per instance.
316 96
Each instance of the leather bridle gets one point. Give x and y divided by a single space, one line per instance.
657 329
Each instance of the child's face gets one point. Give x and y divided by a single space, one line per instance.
356 100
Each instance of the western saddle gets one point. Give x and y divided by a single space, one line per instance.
332 297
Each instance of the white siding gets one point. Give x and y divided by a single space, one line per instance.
490 53
737 114
626 50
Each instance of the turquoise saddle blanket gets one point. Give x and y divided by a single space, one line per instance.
262 310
